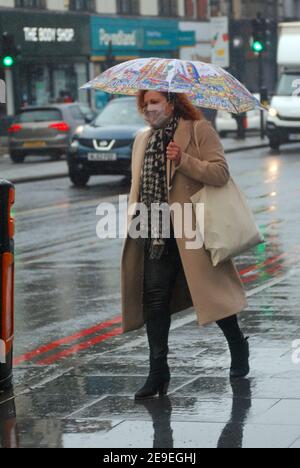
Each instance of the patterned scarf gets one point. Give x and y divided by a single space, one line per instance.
154 185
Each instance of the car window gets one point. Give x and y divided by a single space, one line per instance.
120 112
76 113
39 115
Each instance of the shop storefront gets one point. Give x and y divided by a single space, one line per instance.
133 38
54 60
114 40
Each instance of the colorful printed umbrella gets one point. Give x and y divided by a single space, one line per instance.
207 85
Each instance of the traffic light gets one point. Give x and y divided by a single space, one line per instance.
259 26
9 50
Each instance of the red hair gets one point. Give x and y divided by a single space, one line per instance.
182 105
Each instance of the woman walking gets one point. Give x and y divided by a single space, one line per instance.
161 276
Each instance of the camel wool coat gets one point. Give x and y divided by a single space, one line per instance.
214 292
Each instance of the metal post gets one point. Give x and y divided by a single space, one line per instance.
10 102
261 82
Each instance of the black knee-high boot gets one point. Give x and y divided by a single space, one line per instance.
159 376
238 346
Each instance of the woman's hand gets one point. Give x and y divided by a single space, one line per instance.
174 152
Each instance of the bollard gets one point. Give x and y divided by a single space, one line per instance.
7 228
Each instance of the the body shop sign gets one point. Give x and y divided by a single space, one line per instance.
46 35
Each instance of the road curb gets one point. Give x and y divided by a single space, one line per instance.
29 179
248 148
26 180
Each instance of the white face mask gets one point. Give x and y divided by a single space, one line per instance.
155 115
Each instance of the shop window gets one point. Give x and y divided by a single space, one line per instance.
41 4
44 84
190 8
128 7
82 5
215 7
202 7
168 7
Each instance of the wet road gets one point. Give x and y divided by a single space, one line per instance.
66 277
68 280
68 313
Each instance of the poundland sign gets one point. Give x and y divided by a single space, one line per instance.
133 36
119 38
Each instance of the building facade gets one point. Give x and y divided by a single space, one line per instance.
64 43
291 10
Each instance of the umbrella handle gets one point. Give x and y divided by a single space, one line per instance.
169 183
172 140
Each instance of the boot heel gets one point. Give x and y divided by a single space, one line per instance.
163 389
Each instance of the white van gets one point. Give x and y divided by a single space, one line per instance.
283 124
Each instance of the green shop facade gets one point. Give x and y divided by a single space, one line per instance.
54 58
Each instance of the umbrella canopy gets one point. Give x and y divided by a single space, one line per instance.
207 85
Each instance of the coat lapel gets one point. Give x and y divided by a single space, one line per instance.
182 137
138 159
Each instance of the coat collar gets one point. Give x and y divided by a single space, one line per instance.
182 137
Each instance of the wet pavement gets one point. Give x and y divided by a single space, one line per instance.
76 374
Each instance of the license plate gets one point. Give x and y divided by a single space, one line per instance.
34 144
102 156
295 137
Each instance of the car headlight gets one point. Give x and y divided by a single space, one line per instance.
273 112
79 130
74 144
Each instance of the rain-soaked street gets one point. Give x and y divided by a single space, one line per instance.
76 374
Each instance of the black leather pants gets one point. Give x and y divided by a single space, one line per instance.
159 281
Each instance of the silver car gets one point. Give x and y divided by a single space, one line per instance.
45 130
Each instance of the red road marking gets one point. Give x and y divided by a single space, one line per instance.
68 339
80 347
258 266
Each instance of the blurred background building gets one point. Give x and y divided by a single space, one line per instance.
64 43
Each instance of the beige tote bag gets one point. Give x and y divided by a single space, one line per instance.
229 225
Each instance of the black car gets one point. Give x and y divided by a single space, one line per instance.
104 147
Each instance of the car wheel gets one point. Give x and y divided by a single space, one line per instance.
79 179
274 144
17 158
